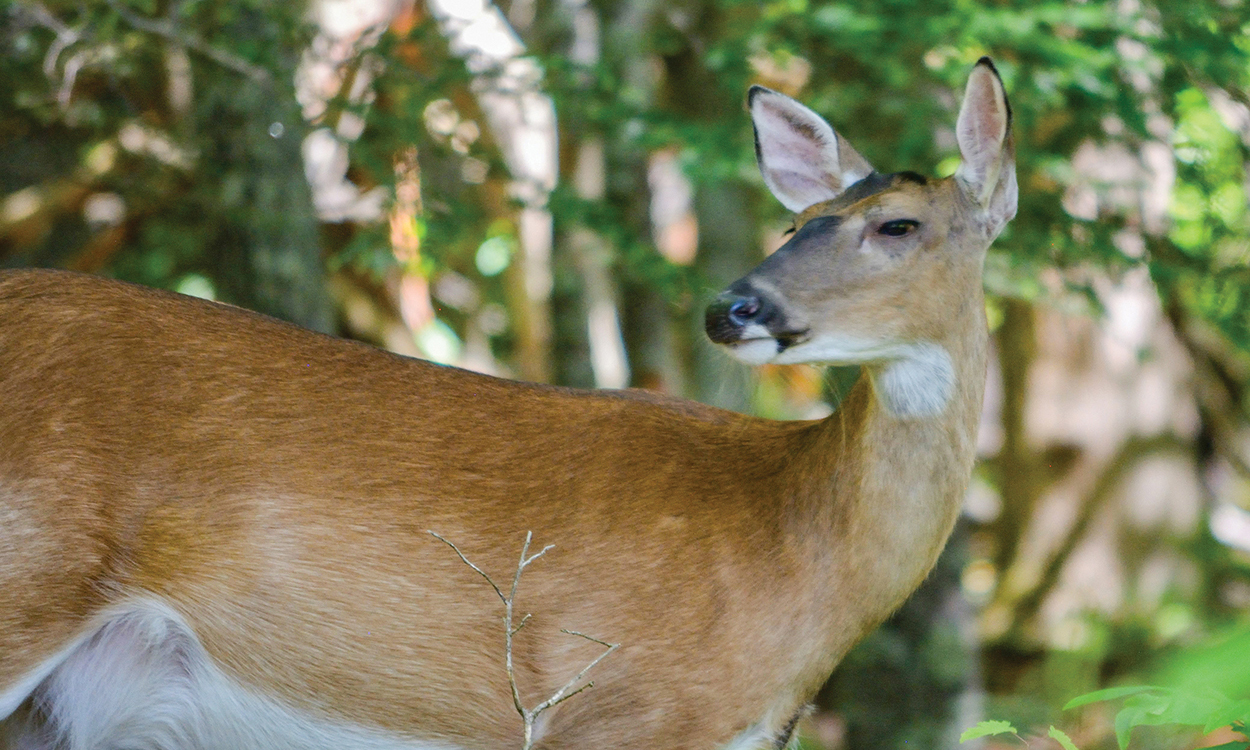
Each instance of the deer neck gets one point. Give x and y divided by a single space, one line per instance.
896 458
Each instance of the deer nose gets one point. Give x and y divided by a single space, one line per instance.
744 310
730 314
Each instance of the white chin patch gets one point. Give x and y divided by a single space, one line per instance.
835 350
755 351
914 380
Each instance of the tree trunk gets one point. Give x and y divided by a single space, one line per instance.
269 256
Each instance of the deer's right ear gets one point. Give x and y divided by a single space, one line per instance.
802 159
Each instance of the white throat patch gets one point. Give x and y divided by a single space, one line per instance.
918 384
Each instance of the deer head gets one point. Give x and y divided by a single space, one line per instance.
882 269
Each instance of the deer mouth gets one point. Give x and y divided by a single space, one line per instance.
787 339
759 347
783 339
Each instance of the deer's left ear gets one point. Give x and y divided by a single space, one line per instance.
802 159
988 171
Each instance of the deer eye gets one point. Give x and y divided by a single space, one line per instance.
898 227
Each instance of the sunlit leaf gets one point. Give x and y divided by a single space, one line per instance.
1125 720
1108 694
1231 713
1064 740
986 729
1192 707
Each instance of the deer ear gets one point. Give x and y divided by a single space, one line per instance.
988 171
802 159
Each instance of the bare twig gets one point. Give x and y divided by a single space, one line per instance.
530 715
65 36
560 695
471 565
166 28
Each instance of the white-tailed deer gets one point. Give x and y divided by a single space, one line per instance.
213 525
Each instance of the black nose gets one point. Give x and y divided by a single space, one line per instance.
744 310
731 312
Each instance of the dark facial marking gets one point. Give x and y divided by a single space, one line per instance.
865 188
811 237
873 184
817 227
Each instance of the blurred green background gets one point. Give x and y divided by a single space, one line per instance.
553 189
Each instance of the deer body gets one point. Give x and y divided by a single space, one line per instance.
233 512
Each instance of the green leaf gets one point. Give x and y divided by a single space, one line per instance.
1158 708
985 729
1142 709
1062 739
1124 723
1109 694
1195 707
1233 712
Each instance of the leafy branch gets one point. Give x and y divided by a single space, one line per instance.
530 715
1146 705
992 728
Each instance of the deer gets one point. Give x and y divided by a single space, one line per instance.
215 526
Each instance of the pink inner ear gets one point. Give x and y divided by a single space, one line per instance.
797 184
784 139
988 121
798 155
983 119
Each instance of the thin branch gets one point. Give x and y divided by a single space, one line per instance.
168 30
520 567
559 696
588 637
540 554
502 598
65 36
529 716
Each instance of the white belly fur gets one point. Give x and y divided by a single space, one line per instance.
140 680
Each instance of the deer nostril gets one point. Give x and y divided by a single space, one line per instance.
743 310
